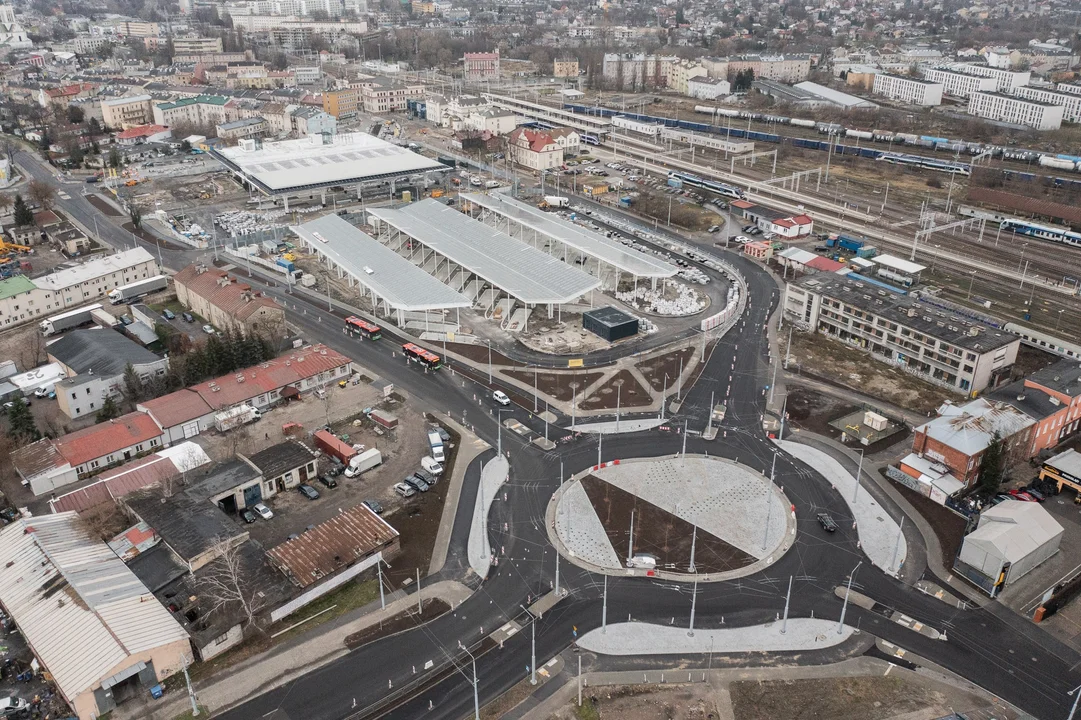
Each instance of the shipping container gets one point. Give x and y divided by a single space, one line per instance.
334 447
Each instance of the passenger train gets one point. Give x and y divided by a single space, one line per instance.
683 178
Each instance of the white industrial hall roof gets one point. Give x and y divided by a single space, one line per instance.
509 264
403 285
591 243
310 163
82 611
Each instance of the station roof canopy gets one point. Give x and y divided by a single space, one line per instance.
378 268
899 264
316 162
591 243
509 264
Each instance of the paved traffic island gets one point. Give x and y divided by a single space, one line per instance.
730 520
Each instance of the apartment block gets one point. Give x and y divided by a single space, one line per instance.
196 45
565 68
1071 103
342 103
126 112
679 73
780 68
1007 80
1000 107
381 94
534 149
198 110
948 350
912 91
960 84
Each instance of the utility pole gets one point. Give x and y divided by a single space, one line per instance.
195 702
1077 696
420 606
533 654
694 600
841 623
787 598
379 570
859 472
604 608
630 539
694 539
476 697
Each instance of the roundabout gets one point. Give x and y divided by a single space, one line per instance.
676 517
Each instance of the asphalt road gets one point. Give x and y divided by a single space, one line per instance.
991 647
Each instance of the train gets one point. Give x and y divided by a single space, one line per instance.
679 179
835 131
1045 341
1022 226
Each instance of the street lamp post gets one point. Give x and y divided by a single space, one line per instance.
844 608
859 471
971 279
476 696
533 649
1076 697
499 430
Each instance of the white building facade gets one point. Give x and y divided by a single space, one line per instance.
959 84
912 91
1015 110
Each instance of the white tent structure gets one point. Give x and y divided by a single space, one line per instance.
1012 538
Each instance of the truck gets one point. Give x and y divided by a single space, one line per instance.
137 289
68 320
364 461
334 447
235 417
844 242
436 444
556 201
287 264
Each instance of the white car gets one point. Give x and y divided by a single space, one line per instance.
263 511
501 397
431 465
740 239
404 490
208 329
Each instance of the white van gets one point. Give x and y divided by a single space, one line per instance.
429 463
645 562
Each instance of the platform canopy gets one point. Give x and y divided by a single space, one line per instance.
515 267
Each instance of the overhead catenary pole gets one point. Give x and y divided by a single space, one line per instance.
694 540
604 608
844 608
694 600
382 599
420 605
1074 692
787 598
630 539
859 472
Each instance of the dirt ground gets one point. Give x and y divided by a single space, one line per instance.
631 394
645 702
658 532
556 385
948 525
103 206
433 608
668 364
479 353
811 410
565 337
812 353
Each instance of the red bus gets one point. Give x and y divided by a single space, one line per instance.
365 328
425 358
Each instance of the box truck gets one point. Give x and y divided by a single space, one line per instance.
137 289
362 462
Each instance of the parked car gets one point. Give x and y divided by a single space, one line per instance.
714 228
425 476
188 317
417 483
208 329
263 511
374 506
501 397
247 516
405 490
827 522
308 491
168 314
12 707
443 434
431 465
328 481
1022 495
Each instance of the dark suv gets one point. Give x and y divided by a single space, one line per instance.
328 481
827 522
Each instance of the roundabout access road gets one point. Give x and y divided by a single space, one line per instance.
990 646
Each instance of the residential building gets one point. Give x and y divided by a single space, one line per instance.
703 87
143 134
87 44
634 71
307 75
226 303
94 362
959 436
482 66
759 250
380 95
72 239
999 107
492 120
202 110
679 73
341 104
909 90
789 69
1070 102
215 58
568 140
137 28
1006 80
94 633
283 466
62 96
1052 397
23 299
312 121
534 149
48 464
186 413
12 35
196 45
945 349
960 84
122 113
565 67
244 128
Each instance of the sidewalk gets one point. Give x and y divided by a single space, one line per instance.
469 447
492 476
279 665
801 634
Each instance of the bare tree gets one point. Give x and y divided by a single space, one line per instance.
42 193
227 587
6 203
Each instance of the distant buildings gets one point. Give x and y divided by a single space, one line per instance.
1005 80
999 107
381 95
781 68
565 68
341 104
12 35
909 90
960 84
202 110
196 45
122 113
479 67
1070 102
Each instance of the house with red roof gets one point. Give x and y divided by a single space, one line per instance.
61 96
534 149
227 303
144 134
190 411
